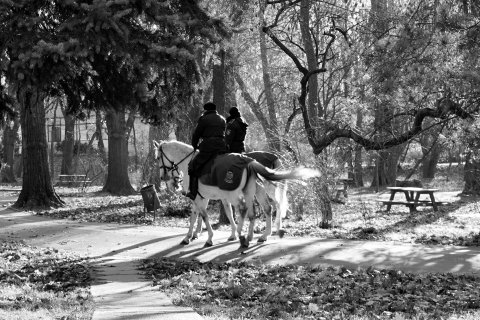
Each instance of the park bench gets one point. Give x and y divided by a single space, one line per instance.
72 180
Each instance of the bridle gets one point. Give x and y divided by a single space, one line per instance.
171 167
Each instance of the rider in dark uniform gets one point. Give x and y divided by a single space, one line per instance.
211 130
236 131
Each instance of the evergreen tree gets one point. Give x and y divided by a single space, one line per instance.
109 49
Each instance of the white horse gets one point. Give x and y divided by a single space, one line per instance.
276 193
174 157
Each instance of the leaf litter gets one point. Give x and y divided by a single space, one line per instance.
253 291
43 281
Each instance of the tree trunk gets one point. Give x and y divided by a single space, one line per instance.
272 134
9 138
118 182
429 167
99 133
314 110
68 144
230 90
324 203
52 143
431 150
37 189
386 164
218 82
358 166
18 168
386 167
472 174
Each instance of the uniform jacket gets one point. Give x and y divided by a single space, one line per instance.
211 129
235 135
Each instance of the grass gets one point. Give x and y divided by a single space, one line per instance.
43 284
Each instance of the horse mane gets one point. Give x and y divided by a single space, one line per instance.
177 146
176 142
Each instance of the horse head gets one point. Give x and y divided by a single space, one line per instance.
170 154
166 166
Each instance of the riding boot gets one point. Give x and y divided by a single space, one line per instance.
192 193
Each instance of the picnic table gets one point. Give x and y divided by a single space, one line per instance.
412 198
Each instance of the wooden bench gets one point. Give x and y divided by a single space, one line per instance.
412 198
72 180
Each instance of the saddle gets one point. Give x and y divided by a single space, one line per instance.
225 171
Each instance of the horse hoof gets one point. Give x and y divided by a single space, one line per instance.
194 237
184 241
208 244
244 243
261 240
232 239
281 233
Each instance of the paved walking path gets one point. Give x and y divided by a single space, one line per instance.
120 292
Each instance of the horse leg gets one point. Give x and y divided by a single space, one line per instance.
251 226
281 202
193 219
233 225
278 220
202 205
250 214
242 210
247 210
264 203
198 230
209 241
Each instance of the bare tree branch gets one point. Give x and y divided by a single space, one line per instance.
287 51
444 107
251 102
296 112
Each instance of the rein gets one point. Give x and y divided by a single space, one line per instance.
172 165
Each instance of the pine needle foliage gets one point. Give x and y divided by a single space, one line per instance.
111 53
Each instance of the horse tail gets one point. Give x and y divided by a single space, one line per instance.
299 173
276 164
282 199
280 195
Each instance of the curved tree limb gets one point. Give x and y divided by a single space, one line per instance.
287 51
444 107
296 111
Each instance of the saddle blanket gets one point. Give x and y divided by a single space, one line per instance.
226 172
